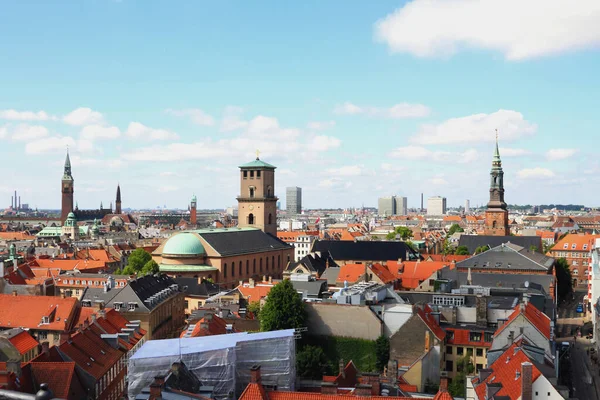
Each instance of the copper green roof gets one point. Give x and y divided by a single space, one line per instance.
183 244
258 163
185 268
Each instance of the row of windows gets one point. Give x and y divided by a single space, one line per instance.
449 300
461 351
574 246
260 266
571 254
92 283
460 366
251 173
252 219
474 336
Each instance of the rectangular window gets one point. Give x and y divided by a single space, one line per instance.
131 307
573 246
478 367
251 174
460 351
475 336
245 174
566 246
487 336
258 174
449 335
479 352
187 305
449 350
449 366
470 352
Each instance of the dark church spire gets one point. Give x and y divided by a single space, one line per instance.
118 202
497 181
67 173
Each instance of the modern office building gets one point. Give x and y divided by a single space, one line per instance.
392 205
293 200
467 206
436 205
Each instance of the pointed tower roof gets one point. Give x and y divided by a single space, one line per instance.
118 193
497 162
67 172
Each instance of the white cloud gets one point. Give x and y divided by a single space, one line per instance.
165 189
510 152
348 170
232 120
324 143
3 131
560 154
196 115
438 181
389 167
476 128
24 132
517 29
535 173
137 130
14 115
423 153
49 144
397 111
83 116
93 132
320 125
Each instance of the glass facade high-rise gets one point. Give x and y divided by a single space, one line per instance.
293 200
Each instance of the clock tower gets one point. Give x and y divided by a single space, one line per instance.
67 189
257 203
496 215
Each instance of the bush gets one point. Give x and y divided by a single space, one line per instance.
362 352
311 363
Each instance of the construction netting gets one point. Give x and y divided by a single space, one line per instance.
221 361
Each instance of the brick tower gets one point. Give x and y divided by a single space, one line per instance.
193 215
67 189
257 203
118 200
496 215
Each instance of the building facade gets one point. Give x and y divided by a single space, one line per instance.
401 206
257 203
293 200
436 205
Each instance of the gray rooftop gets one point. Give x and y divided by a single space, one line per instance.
508 256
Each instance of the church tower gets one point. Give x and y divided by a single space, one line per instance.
118 202
496 215
257 203
193 216
67 189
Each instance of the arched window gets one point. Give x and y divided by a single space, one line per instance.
251 191
267 262
250 219
247 267
279 261
240 268
233 269
494 224
268 191
254 266
273 262
225 270
260 264
575 272
270 219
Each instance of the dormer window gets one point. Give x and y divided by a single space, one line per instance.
45 320
566 246
131 306
574 246
585 246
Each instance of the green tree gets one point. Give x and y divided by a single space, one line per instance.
151 267
283 308
462 251
402 231
464 366
254 308
382 352
533 248
481 249
448 249
454 228
547 246
138 258
312 363
563 278
431 387
128 270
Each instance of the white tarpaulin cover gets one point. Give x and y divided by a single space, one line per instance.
222 361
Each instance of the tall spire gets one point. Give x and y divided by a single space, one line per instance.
67 172
118 193
497 162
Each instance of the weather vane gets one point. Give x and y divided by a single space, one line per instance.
496 135
257 154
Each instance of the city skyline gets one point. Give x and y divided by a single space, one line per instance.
368 109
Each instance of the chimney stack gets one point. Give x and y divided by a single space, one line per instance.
156 388
63 337
329 388
443 384
363 390
255 374
14 293
342 369
427 341
526 381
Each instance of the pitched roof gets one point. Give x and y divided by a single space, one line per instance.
429 320
506 374
474 241
576 242
382 273
210 324
314 262
462 337
259 291
233 241
27 312
255 391
508 256
58 376
537 318
415 272
365 250
70 265
351 273
141 289
24 342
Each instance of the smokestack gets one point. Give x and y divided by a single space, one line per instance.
15 199
19 202
422 202
12 204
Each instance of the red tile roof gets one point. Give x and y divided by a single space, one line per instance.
259 291
254 391
429 320
383 273
462 337
578 240
71 265
505 370
415 272
24 342
16 236
537 318
27 312
58 376
347 379
351 273
216 326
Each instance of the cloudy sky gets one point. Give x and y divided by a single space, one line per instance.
351 100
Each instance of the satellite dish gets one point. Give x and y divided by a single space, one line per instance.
527 284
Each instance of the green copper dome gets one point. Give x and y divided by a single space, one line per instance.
184 244
71 216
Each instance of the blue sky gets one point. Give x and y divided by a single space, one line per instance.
351 100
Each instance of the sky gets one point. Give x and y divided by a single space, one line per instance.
351 100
